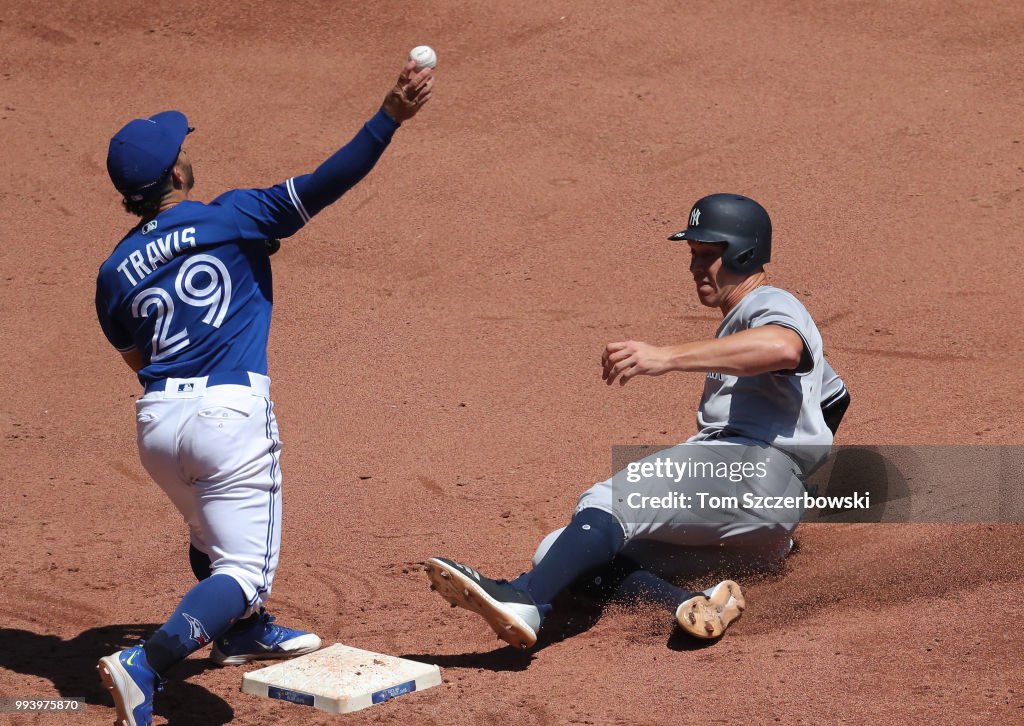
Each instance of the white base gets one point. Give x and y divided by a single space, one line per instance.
340 679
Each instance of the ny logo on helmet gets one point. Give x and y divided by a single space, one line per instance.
694 217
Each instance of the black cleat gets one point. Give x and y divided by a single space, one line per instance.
509 611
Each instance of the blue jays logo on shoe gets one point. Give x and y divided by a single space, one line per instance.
198 632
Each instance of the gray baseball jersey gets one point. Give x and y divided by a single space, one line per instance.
780 409
832 386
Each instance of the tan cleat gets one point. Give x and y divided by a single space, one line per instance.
708 617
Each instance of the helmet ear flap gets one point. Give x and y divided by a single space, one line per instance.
745 256
746 261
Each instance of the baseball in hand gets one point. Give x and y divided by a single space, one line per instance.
424 56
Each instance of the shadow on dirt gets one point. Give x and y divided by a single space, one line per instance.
569 619
71 666
682 643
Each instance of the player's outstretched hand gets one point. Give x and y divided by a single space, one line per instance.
633 358
410 92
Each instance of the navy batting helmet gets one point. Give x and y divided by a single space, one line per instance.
740 223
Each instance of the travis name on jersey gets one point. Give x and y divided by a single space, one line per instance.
159 251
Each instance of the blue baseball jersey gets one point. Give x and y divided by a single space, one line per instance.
191 288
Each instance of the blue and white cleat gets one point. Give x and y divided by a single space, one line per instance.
132 683
263 640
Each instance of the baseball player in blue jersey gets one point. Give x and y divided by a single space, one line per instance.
770 407
186 298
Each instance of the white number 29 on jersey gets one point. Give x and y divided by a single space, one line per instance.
214 295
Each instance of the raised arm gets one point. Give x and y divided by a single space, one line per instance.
347 167
282 210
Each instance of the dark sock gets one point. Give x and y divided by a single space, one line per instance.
204 614
200 562
643 586
591 540
625 581
602 584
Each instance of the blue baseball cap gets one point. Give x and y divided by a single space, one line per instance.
142 154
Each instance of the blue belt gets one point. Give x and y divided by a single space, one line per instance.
220 378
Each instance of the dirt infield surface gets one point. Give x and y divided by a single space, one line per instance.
437 335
